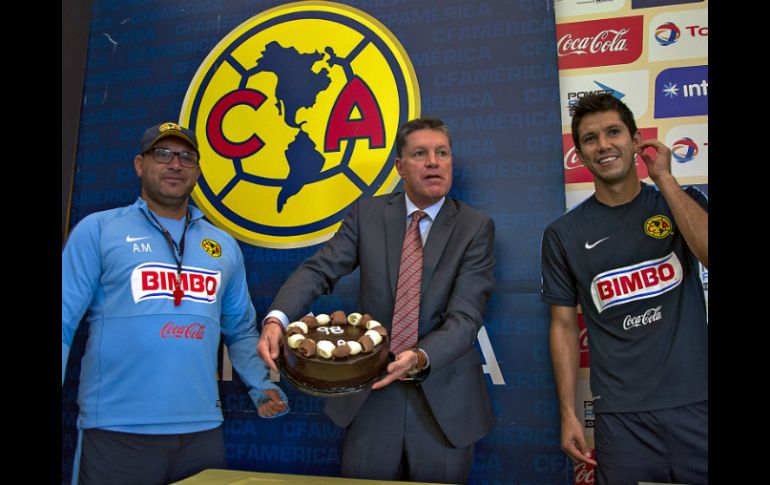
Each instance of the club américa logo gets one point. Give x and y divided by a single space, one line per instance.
658 226
296 112
212 248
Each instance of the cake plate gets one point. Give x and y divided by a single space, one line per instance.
336 392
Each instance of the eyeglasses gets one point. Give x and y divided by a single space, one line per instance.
165 155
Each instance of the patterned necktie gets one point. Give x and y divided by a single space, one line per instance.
406 311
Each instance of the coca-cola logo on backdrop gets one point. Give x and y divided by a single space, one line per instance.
584 473
600 42
583 343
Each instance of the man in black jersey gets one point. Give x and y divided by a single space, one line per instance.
629 256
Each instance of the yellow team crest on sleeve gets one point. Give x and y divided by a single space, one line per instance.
212 247
296 112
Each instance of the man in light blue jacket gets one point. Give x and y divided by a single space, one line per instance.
158 285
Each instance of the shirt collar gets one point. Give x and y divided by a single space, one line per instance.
195 213
431 210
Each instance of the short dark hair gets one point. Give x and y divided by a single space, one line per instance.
598 103
419 124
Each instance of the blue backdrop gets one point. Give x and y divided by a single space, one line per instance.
489 70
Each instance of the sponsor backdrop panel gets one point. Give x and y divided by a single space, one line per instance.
295 107
652 54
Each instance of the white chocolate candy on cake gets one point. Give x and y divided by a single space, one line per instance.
323 319
375 336
355 347
299 325
324 348
354 318
295 340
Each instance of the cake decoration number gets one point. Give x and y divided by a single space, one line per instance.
334 329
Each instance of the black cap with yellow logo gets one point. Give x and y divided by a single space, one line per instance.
155 133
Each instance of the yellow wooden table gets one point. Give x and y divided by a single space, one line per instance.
238 477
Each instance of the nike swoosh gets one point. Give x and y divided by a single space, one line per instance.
591 246
130 239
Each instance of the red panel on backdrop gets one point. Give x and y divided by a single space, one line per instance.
603 42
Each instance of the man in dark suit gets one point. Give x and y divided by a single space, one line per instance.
420 422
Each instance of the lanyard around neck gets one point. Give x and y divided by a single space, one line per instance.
177 250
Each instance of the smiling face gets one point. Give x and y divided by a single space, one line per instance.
425 164
165 187
607 149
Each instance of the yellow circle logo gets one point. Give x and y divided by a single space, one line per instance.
296 112
658 226
212 247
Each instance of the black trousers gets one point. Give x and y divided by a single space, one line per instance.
396 437
668 446
114 458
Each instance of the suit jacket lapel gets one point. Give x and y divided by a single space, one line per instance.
395 229
438 237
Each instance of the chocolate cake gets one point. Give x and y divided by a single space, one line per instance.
335 353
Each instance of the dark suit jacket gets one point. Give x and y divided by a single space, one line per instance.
457 281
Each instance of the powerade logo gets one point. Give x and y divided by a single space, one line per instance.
296 112
630 86
667 33
682 91
574 97
684 150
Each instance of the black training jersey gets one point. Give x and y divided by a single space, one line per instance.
639 288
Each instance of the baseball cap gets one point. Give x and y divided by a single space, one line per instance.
155 133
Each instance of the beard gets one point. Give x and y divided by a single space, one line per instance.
165 198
